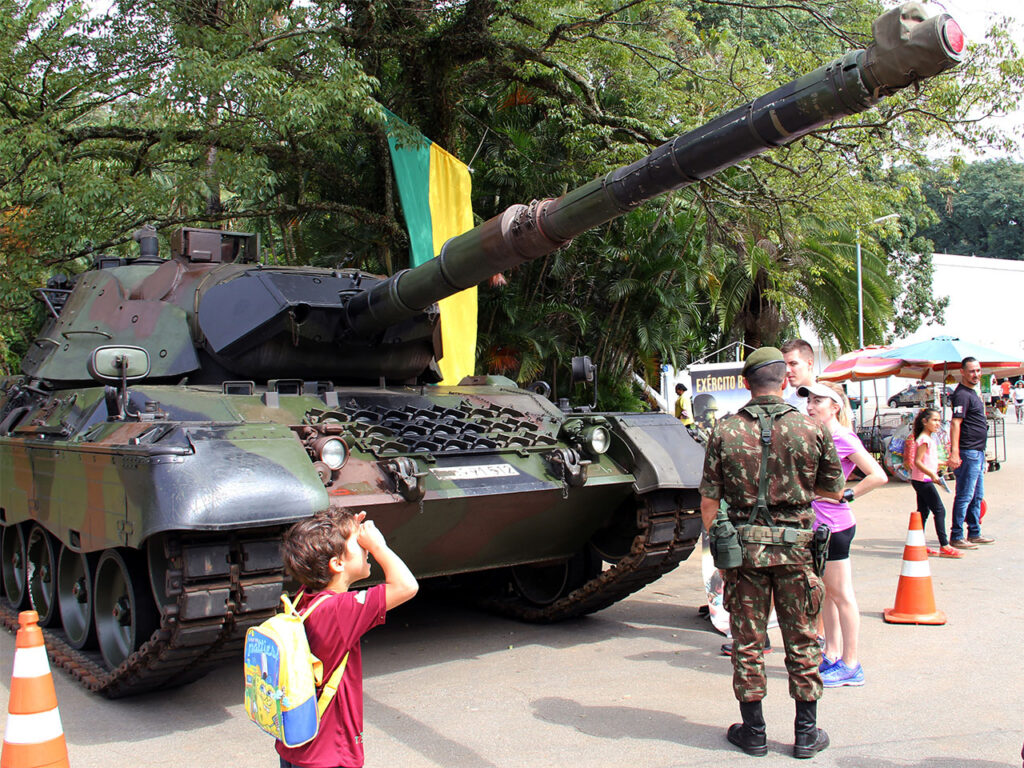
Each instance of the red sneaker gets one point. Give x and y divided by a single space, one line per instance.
950 552
932 552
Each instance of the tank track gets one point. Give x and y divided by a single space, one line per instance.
202 623
666 536
217 588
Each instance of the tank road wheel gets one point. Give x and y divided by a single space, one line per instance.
125 614
615 541
540 584
544 583
15 566
75 575
42 551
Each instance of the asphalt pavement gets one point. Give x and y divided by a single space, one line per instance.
640 683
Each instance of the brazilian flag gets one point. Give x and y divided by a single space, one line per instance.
434 188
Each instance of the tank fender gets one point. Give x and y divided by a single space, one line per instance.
252 476
657 449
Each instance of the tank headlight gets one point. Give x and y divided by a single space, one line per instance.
597 440
333 452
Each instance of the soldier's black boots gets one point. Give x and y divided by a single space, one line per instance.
810 739
749 735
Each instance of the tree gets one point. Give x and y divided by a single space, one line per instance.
764 284
268 116
909 255
619 295
979 208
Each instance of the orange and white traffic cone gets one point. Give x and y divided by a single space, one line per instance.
34 737
915 601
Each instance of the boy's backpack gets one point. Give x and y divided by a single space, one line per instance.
282 674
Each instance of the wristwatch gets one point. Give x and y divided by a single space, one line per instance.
848 495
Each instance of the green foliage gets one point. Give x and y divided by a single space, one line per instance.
618 295
267 116
979 208
908 253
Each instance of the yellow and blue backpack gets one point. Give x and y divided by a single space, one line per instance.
282 674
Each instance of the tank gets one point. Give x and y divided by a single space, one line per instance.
178 411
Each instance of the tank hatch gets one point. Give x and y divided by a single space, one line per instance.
213 246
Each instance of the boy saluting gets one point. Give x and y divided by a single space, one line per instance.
328 553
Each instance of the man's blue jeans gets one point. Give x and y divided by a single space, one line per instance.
970 490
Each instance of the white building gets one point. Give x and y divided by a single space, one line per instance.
984 298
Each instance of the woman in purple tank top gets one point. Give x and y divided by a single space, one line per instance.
827 404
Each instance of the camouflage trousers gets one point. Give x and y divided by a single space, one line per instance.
798 593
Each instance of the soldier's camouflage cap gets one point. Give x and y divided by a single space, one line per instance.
762 357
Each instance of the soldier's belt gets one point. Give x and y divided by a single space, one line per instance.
762 534
773 508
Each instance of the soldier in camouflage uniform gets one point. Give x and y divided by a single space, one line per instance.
801 464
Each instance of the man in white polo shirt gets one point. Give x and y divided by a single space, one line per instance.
799 357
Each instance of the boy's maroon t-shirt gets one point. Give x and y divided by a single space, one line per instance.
334 629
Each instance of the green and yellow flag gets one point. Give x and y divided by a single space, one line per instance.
434 188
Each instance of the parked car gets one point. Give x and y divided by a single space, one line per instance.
919 395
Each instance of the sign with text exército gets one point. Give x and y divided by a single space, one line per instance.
717 389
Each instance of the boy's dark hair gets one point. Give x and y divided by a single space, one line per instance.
309 545
805 350
680 388
922 416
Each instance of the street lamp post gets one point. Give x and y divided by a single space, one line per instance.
860 299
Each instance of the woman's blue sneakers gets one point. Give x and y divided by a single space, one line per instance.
839 675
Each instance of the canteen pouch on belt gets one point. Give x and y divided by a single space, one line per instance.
725 542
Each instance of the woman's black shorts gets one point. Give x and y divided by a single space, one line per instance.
839 544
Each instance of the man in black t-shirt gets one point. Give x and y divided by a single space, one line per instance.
967 435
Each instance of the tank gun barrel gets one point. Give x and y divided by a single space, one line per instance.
908 47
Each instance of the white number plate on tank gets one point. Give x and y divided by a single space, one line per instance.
474 472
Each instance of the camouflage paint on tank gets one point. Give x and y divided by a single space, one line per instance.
210 468
103 310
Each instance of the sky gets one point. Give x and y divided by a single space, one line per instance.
976 17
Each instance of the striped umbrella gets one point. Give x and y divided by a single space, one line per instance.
934 359
862 365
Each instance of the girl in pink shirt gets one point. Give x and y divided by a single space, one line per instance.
925 474
827 404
